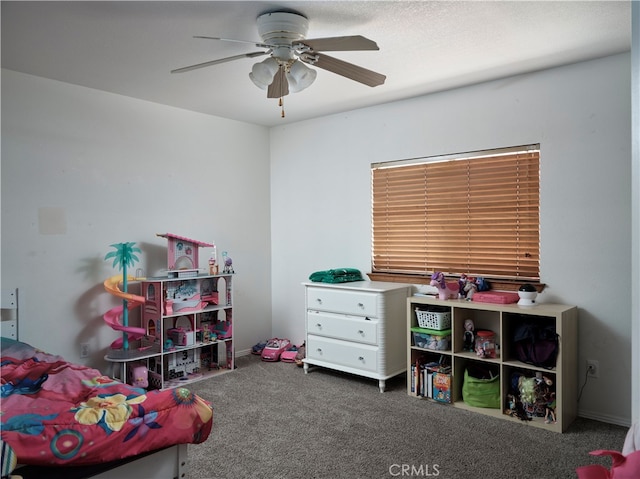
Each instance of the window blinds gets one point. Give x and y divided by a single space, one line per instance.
475 214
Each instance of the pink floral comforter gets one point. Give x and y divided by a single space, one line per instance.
53 412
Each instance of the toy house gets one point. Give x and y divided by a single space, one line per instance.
182 255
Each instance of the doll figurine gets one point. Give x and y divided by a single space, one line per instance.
469 343
550 410
228 263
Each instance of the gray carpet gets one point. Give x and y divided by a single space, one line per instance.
273 421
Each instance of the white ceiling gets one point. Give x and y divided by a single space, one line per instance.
129 47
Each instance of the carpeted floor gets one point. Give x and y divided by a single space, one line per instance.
273 421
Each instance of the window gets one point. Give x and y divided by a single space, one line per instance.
474 213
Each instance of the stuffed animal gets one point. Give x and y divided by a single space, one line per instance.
622 467
445 290
470 287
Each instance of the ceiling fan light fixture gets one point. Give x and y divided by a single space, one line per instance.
300 76
284 39
263 72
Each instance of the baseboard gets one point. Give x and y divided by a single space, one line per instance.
244 352
617 420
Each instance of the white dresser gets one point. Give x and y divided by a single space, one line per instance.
357 327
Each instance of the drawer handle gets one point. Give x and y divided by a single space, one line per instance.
361 358
319 350
319 300
361 332
361 305
318 325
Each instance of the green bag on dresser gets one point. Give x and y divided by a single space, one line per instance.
481 391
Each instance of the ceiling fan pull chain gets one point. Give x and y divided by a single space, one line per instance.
281 105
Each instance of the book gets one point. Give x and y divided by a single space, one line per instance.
442 387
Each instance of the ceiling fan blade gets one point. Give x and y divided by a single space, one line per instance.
279 86
259 45
348 70
336 44
215 62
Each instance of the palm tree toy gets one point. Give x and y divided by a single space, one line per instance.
124 256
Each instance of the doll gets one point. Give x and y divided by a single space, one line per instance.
550 410
469 343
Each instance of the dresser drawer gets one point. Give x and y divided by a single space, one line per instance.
350 328
343 301
359 356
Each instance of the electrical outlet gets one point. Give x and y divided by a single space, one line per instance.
84 350
593 368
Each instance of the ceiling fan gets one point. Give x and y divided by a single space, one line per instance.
285 70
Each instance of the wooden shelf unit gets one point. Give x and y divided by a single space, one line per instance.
502 319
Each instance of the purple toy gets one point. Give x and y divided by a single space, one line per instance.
445 290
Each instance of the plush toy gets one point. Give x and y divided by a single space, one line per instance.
139 376
445 290
462 282
470 287
622 467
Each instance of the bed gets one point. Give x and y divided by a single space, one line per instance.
57 413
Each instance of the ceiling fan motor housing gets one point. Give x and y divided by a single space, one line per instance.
282 28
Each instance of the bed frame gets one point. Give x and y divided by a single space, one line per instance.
10 307
165 463
170 462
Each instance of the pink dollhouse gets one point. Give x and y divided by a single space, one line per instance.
182 255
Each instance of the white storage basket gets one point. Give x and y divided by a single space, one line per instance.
437 320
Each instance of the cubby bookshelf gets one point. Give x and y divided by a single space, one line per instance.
502 319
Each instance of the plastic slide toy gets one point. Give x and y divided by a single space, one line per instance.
114 315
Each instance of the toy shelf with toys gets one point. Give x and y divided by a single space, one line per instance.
184 330
184 344
474 352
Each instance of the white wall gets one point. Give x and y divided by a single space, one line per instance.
109 169
635 220
580 114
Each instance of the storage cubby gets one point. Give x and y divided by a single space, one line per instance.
503 320
482 321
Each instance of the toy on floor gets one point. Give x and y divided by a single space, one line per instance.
274 348
258 347
301 354
622 467
289 355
